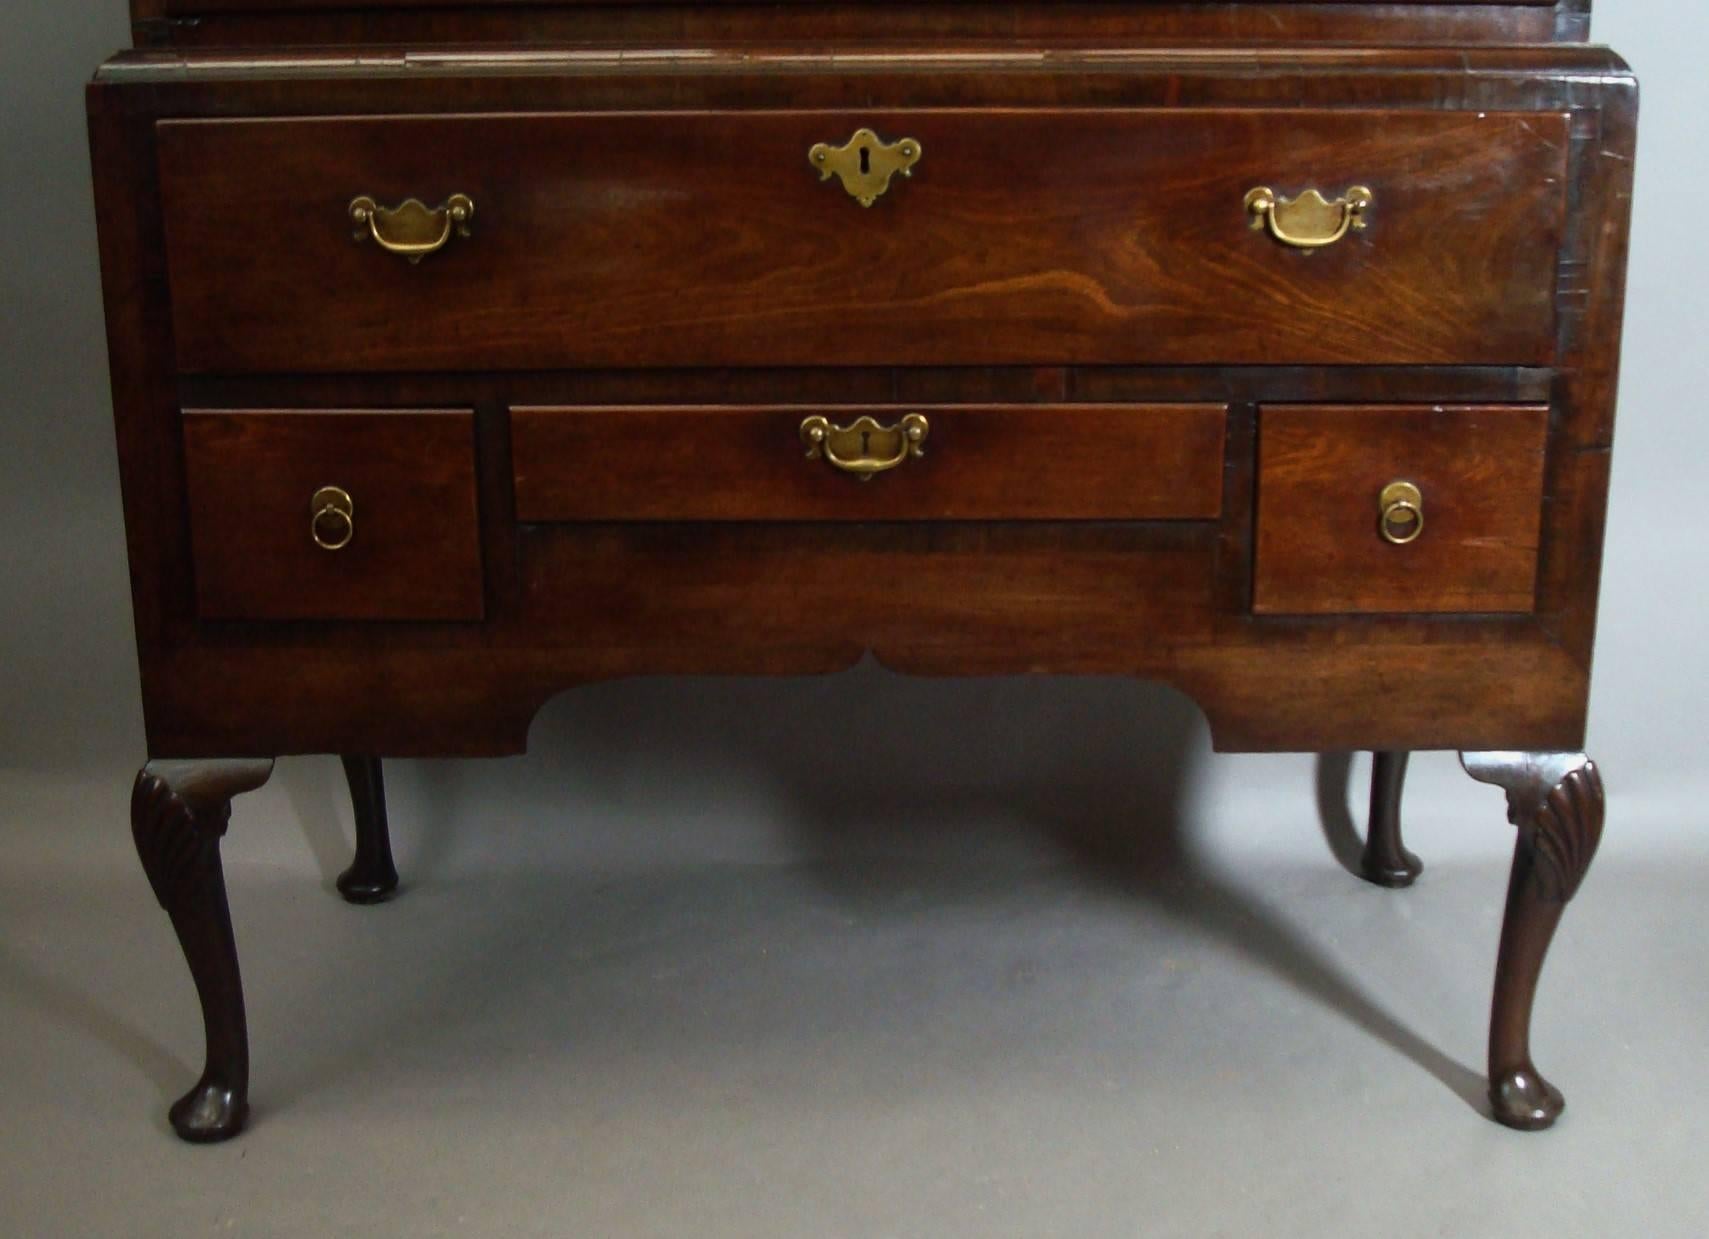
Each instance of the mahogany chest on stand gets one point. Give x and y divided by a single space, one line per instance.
465 352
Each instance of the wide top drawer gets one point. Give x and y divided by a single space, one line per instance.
1028 236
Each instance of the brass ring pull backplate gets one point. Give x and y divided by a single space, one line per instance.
865 447
1309 221
865 164
332 522
1401 513
412 229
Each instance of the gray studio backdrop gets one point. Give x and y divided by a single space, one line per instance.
683 770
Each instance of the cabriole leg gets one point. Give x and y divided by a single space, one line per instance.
372 877
179 811
1556 801
1386 860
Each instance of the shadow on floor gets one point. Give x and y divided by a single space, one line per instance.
76 1011
1334 816
878 779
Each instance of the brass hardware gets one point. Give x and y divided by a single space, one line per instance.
333 522
864 447
865 164
1402 513
1309 221
411 229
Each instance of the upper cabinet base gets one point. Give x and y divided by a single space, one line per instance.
214 23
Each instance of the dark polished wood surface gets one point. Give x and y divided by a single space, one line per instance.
573 437
1474 679
372 877
1386 860
1322 470
1104 237
1557 804
179 813
414 547
745 463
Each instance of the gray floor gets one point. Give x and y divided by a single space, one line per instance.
903 1036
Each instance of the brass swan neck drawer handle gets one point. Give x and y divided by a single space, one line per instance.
1401 508
865 163
333 520
412 229
1309 221
865 447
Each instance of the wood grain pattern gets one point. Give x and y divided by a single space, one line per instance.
415 553
1321 469
723 463
1592 294
1051 596
853 589
1103 237
317 693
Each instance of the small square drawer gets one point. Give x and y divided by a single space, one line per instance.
333 515
1382 508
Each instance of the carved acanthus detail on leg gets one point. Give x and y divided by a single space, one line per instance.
1556 801
179 848
179 812
1565 830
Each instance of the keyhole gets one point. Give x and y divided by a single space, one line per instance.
865 435
865 160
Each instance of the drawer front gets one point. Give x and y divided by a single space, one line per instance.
1331 480
333 515
745 463
707 238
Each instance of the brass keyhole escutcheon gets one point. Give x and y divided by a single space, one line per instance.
865 163
1401 513
332 520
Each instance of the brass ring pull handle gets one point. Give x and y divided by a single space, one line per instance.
333 520
1309 221
865 164
1401 508
412 229
864 447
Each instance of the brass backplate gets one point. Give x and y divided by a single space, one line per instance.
412 229
1309 221
866 446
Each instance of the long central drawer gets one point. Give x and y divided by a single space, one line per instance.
1028 236
869 463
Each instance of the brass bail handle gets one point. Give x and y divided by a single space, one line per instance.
865 446
412 229
1309 221
1401 513
332 522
